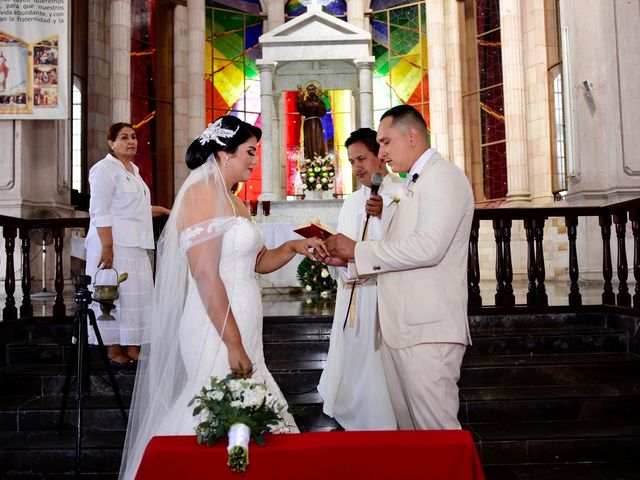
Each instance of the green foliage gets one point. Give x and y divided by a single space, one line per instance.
314 277
236 400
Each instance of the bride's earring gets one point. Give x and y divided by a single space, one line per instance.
226 162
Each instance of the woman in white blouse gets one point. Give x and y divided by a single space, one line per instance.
120 233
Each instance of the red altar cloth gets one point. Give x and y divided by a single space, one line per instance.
434 454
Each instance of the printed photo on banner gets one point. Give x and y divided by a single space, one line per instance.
33 59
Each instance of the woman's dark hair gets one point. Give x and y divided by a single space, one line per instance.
365 136
114 130
197 153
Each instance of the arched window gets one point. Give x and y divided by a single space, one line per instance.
400 74
232 80
558 117
76 136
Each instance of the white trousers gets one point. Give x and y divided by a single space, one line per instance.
423 384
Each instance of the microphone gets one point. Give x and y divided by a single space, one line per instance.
376 181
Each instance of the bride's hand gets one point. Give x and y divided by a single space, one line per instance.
313 248
239 362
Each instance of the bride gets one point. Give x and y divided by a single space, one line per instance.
206 317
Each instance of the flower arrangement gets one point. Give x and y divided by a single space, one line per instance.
241 408
314 277
317 173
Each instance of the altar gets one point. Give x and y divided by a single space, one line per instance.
278 227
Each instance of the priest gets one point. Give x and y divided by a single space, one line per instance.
353 384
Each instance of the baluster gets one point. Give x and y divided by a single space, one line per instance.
623 297
575 298
608 297
26 309
500 290
531 261
634 216
508 298
473 266
541 291
9 312
59 310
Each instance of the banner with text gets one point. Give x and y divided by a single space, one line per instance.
34 59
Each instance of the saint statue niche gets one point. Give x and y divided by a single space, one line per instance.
312 108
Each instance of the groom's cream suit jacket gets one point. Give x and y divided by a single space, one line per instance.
421 260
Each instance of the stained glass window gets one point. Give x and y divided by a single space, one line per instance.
143 85
232 80
337 8
491 99
152 95
400 73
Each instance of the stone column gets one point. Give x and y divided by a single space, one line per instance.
275 15
365 91
181 139
437 76
195 23
270 164
355 13
454 22
120 61
514 101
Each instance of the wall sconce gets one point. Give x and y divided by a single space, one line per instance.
587 85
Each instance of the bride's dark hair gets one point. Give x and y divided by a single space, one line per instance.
228 133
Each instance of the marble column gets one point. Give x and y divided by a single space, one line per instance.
355 13
195 23
270 164
365 91
514 101
120 61
454 22
275 15
437 76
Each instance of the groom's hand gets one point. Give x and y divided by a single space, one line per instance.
341 246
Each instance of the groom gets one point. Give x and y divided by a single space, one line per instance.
421 268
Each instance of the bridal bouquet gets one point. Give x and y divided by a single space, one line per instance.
241 408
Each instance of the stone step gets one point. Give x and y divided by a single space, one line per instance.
101 412
498 444
556 442
313 343
297 377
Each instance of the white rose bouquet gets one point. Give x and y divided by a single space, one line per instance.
241 408
317 173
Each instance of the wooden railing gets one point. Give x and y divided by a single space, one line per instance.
502 220
534 222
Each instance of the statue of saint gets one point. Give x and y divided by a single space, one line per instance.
312 108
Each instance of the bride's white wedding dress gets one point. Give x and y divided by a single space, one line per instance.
202 351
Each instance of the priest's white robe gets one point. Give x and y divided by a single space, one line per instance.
352 383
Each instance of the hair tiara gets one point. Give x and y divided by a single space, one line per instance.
215 131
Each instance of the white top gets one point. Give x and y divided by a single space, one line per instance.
120 200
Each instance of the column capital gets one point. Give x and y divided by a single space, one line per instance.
365 62
265 65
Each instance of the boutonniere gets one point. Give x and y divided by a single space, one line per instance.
393 197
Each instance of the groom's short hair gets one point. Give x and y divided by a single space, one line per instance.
406 116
